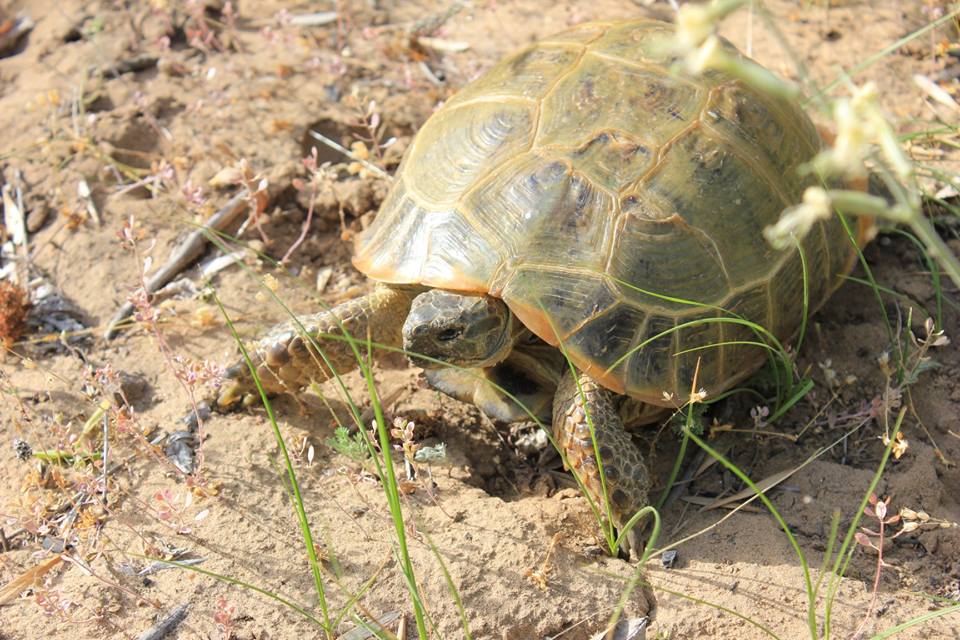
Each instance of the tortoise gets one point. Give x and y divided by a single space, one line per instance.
585 194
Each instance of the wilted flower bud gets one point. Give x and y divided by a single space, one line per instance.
934 90
695 22
709 55
860 122
910 526
797 220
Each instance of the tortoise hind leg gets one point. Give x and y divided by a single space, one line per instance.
287 361
626 478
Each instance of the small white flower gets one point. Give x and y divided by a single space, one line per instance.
695 23
797 220
934 90
861 123
709 55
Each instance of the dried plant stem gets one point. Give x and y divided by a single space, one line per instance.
188 251
369 166
876 584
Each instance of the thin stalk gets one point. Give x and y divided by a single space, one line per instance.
802 332
879 55
291 474
930 615
936 247
846 550
675 471
457 600
245 585
392 492
647 551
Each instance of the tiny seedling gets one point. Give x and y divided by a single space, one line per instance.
352 446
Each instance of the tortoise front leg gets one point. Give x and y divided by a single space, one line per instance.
626 478
285 360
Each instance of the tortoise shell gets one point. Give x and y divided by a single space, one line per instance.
613 203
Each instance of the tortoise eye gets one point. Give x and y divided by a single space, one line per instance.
449 334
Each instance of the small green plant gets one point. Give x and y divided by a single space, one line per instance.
352 446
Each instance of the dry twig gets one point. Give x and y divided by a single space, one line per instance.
188 251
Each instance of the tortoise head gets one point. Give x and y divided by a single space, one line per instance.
463 330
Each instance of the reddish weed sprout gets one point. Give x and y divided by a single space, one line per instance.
368 118
256 186
318 175
865 537
187 373
224 618
199 34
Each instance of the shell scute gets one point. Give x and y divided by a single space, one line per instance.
578 229
657 255
773 131
612 159
545 213
649 43
436 247
753 305
458 147
699 359
716 192
554 302
581 34
605 338
644 106
650 369
526 74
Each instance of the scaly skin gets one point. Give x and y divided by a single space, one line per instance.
286 361
627 480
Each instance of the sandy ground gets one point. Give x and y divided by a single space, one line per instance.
118 93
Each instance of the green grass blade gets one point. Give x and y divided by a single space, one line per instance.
806 386
811 612
647 550
390 487
452 588
291 474
293 606
871 60
675 471
912 622
802 332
